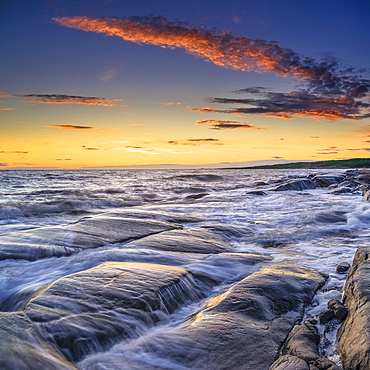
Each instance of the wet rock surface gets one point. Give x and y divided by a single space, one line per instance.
253 316
244 327
196 240
353 337
89 310
89 232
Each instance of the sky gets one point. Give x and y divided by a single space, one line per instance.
177 84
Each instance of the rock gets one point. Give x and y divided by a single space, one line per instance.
288 362
243 327
22 348
257 192
324 364
89 232
339 310
303 342
342 267
296 185
90 310
327 180
353 336
332 217
364 178
242 258
196 240
153 215
343 190
196 196
260 183
230 231
366 194
325 316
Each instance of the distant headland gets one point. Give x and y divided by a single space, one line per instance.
345 163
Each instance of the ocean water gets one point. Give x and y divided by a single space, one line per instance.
310 228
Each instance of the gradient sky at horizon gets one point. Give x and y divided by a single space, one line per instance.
196 83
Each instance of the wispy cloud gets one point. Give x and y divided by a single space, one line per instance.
261 101
227 125
196 142
208 139
63 159
71 127
330 90
13 152
63 99
6 109
169 103
89 148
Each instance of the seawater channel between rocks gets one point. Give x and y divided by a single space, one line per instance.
196 269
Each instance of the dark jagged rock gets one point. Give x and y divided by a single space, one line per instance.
89 232
327 180
90 310
244 327
288 362
336 310
353 336
325 316
303 342
22 348
342 267
340 311
302 184
197 240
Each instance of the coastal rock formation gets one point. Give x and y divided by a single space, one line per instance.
90 310
243 327
301 184
22 348
89 232
196 240
353 337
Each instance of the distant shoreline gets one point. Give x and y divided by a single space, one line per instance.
333 164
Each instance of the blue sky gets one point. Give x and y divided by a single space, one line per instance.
71 98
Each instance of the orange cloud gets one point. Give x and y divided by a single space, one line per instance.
6 109
221 48
330 92
71 127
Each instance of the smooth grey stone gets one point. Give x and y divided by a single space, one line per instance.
90 310
288 362
245 326
196 240
89 232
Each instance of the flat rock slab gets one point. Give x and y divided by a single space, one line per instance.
354 335
196 240
90 232
244 327
91 310
21 347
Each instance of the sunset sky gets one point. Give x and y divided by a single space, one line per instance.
162 84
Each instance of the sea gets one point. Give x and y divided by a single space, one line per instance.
311 228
